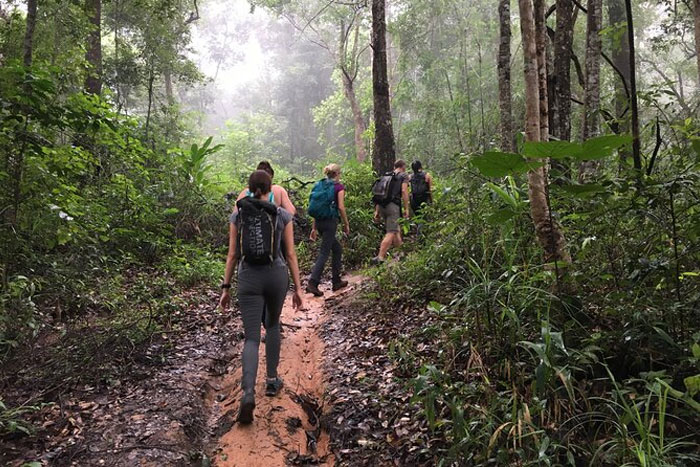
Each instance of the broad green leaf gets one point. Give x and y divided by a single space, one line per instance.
696 146
601 146
552 149
692 384
500 164
696 350
501 216
503 194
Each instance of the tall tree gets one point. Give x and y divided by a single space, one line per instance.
591 99
620 58
349 64
696 15
504 89
384 148
93 52
28 45
563 42
548 233
636 146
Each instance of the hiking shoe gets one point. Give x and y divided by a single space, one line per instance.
341 284
313 289
273 386
376 261
245 416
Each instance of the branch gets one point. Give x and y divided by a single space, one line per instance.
650 167
194 15
302 184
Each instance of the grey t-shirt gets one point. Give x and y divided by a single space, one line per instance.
284 217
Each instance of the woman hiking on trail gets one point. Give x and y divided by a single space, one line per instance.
326 205
257 230
278 195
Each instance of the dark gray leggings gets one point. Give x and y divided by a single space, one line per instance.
261 293
329 245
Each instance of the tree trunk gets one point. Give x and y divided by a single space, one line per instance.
541 52
29 33
563 42
620 58
168 79
349 67
359 121
636 147
548 233
504 92
93 54
591 99
384 150
696 15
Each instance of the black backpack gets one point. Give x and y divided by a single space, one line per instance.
256 230
384 190
419 185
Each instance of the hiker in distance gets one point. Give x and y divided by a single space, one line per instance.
326 206
390 197
421 187
256 233
278 195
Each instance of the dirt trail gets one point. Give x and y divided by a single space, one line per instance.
285 429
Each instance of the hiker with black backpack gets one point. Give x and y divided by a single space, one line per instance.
390 197
421 187
326 205
256 233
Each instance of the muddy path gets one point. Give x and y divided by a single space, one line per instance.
287 428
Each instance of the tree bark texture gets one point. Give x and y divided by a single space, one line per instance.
563 42
504 90
358 119
620 57
591 99
384 150
548 233
28 45
541 52
696 15
93 54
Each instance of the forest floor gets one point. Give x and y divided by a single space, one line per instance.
176 399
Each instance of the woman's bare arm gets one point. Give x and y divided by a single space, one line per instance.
343 213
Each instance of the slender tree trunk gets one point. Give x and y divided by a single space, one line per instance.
620 58
548 233
541 51
481 102
636 146
28 45
591 99
384 150
93 54
168 78
563 42
504 92
455 114
348 69
696 15
358 120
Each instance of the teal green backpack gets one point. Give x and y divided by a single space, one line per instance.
322 203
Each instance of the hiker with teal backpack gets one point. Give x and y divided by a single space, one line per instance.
326 205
